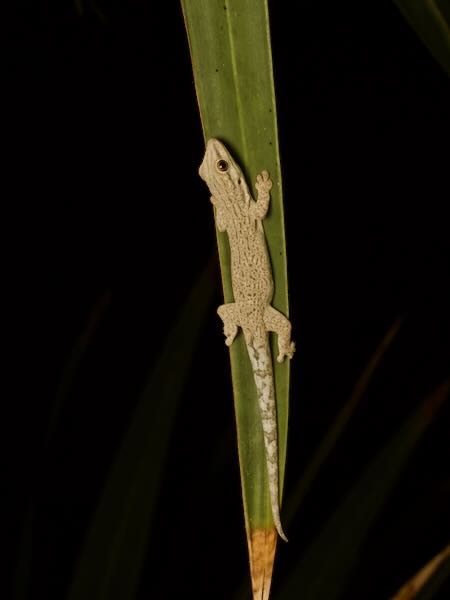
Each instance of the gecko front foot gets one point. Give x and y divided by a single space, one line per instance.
263 182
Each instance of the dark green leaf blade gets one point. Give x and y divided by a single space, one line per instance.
324 570
340 423
69 374
115 546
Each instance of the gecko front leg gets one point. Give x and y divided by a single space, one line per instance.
263 186
219 215
229 315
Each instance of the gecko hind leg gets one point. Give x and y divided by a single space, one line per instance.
275 321
229 315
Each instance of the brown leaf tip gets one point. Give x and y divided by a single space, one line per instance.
261 548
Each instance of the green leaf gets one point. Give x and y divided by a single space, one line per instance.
231 57
115 546
324 570
431 21
229 42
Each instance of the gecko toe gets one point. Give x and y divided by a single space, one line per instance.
230 339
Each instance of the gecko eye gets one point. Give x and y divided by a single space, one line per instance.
222 165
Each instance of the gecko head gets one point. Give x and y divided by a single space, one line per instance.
218 168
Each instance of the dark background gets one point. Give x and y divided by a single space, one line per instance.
106 140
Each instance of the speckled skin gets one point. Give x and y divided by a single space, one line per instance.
241 217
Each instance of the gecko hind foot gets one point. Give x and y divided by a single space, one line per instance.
289 352
230 331
230 338
277 322
228 314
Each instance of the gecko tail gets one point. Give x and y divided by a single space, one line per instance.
261 360
276 511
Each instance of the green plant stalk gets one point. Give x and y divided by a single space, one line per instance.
231 56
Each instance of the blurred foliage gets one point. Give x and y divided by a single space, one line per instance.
430 19
115 546
324 570
426 583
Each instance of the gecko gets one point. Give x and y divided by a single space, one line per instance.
240 216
